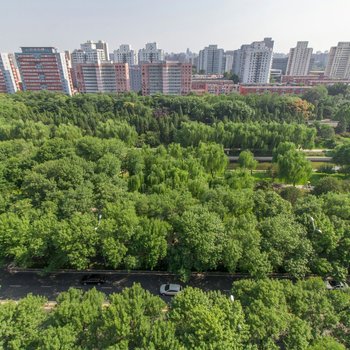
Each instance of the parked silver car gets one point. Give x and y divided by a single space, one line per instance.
170 289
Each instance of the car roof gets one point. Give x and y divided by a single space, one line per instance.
176 287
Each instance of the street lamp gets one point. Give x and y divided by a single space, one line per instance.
314 226
99 221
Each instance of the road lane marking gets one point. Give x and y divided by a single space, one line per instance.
15 285
46 286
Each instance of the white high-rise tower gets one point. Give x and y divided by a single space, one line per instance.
299 59
338 66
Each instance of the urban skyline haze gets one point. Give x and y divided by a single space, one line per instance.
174 25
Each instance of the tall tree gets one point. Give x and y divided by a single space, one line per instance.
293 167
246 160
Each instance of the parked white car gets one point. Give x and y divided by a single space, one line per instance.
170 289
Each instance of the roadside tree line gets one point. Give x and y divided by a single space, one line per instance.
265 314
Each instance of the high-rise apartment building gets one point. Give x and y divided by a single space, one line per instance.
125 54
44 68
237 61
211 60
319 60
254 62
9 80
299 59
183 57
338 66
170 78
280 63
151 54
135 78
90 56
99 45
103 77
228 61
90 53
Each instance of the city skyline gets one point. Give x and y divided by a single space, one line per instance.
226 23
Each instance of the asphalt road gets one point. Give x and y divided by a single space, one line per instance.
17 285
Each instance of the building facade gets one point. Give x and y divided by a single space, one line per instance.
255 61
299 59
170 78
319 60
338 66
44 68
280 63
92 56
151 54
314 79
228 61
99 45
135 78
103 77
213 86
125 54
9 79
273 89
211 60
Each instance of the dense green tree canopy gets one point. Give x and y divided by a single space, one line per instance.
96 181
264 314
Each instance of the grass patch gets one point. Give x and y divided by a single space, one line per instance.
316 177
318 165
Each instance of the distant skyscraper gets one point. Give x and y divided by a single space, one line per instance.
103 77
89 45
170 78
90 56
135 78
236 61
338 66
299 59
125 55
102 45
99 45
9 81
211 60
182 57
280 63
90 53
228 60
254 62
44 68
319 60
151 54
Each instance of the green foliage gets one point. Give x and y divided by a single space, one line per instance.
342 156
133 320
263 314
293 167
246 160
197 241
208 319
19 323
329 184
295 315
326 343
97 180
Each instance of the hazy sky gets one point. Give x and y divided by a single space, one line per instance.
174 24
